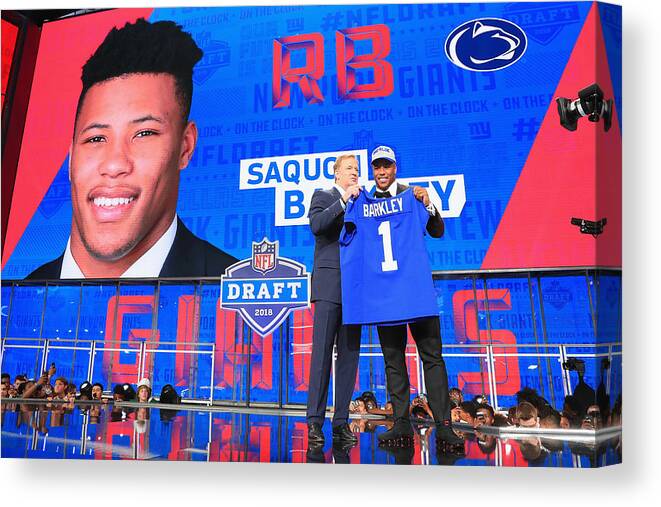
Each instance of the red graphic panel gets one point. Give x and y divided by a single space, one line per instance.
9 35
179 438
302 347
226 444
229 347
412 364
466 304
567 174
299 442
50 116
261 361
232 352
348 62
118 307
113 435
306 76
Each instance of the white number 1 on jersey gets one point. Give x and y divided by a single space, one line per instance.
389 264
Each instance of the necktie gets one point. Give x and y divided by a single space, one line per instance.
381 195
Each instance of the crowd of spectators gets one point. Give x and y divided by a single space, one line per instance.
584 409
60 389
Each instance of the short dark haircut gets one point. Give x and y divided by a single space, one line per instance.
551 419
533 397
469 407
526 411
21 388
488 408
97 384
145 48
6 375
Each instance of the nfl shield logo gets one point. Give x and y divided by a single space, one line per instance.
263 256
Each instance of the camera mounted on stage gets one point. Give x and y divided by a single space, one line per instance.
574 364
590 103
590 227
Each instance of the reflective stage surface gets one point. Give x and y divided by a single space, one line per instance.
196 434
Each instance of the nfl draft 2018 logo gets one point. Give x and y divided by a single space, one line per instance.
263 256
265 288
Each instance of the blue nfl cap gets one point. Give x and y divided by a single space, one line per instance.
383 152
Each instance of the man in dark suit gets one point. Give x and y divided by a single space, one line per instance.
326 220
132 138
426 332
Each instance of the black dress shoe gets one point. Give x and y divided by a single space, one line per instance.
315 454
342 433
341 451
315 435
400 435
446 437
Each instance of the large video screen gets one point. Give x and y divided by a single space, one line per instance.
278 94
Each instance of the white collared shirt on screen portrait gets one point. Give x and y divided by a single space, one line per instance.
149 265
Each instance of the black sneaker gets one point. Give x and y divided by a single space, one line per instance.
446 436
400 435
343 433
402 455
315 435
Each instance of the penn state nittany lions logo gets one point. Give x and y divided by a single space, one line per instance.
486 44
265 288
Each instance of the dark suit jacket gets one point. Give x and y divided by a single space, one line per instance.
435 226
189 257
326 220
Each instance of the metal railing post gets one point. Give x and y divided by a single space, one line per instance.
491 373
90 362
44 357
566 380
610 362
213 373
143 359
418 363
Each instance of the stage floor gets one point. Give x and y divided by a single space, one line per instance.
96 431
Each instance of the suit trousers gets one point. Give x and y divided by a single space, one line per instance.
427 336
327 331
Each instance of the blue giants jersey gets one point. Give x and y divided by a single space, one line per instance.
386 276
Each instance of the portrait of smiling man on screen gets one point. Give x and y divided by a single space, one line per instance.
131 139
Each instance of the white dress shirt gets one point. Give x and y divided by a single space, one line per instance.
149 265
341 191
